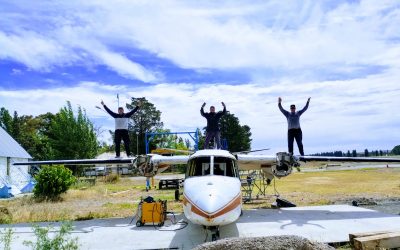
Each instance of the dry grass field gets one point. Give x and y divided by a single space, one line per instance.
330 187
120 199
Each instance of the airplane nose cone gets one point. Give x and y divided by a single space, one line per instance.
211 193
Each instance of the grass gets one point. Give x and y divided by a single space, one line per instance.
102 200
329 187
121 199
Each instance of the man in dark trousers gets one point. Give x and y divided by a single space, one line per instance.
121 127
212 130
294 130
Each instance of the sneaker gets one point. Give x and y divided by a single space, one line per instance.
118 157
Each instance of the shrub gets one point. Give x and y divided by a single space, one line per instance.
60 240
52 181
6 237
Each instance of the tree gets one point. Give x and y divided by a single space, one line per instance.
237 136
72 137
187 143
43 148
366 153
348 153
202 138
146 119
29 132
354 153
396 150
6 120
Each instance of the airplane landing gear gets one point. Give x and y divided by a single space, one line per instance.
176 194
214 233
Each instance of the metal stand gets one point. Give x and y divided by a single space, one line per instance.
253 180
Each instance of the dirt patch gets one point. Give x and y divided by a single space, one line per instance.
389 205
265 243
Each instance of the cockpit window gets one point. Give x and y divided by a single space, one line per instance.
200 166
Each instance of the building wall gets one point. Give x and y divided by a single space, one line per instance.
3 171
19 175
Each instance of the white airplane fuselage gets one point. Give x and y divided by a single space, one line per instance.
212 189
212 200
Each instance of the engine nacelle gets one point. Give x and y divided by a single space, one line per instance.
284 164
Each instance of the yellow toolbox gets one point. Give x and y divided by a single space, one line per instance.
152 213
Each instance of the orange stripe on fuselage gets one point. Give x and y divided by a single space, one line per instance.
229 207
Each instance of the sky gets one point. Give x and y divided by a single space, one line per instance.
345 55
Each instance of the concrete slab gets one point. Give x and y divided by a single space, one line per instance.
320 223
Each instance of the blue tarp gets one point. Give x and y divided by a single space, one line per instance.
5 192
28 187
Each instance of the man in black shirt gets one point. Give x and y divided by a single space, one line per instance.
213 130
121 127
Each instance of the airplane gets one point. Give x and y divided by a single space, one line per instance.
212 194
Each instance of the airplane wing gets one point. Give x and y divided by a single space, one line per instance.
255 162
113 161
348 159
148 165
280 165
169 160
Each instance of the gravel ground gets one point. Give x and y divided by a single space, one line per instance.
265 243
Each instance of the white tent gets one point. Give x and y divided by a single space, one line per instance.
14 177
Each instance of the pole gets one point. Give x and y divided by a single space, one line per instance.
137 143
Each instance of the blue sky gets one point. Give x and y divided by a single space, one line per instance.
345 55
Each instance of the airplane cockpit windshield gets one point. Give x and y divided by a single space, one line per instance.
201 166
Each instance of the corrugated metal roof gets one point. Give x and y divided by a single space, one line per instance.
10 148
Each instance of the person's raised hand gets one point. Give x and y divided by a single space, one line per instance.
102 103
223 104
279 100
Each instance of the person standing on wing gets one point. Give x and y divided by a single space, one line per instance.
213 130
294 130
121 127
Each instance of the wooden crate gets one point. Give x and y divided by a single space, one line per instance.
375 240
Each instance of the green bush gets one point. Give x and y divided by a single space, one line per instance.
6 237
60 241
52 181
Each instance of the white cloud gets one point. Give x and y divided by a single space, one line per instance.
220 35
257 38
33 50
126 67
343 115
